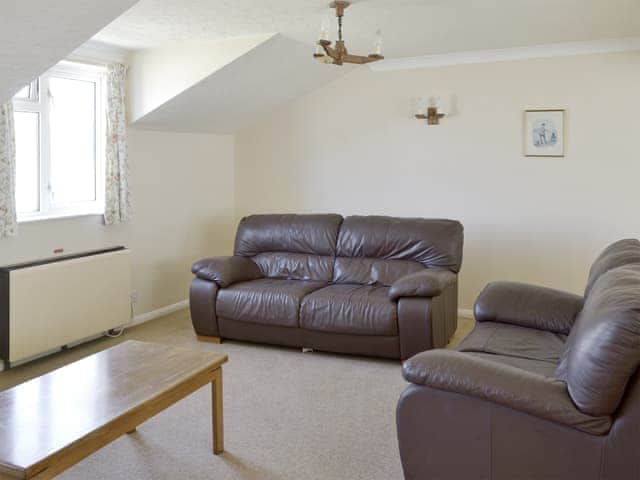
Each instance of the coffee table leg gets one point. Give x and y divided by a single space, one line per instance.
218 423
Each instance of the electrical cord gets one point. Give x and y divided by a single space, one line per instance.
117 332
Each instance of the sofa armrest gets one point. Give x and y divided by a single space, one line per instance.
226 270
528 306
512 387
427 283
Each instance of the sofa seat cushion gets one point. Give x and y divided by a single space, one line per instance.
350 309
514 341
265 301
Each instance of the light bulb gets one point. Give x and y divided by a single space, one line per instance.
377 48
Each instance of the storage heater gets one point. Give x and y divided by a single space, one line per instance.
48 304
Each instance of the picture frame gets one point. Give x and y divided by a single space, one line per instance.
544 134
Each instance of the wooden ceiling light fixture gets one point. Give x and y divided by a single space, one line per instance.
338 55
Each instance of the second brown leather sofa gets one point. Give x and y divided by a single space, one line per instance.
377 286
545 387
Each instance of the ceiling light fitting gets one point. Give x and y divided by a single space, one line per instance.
338 54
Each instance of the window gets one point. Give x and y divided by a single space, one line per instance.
59 124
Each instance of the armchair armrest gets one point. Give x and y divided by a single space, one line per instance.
226 270
528 306
511 387
427 283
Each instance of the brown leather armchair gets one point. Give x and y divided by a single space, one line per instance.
378 286
545 387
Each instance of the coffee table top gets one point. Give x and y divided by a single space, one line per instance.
42 416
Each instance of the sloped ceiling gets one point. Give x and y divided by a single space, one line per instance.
35 35
244 90
157 75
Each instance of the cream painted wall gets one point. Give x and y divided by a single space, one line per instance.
353 147
183 210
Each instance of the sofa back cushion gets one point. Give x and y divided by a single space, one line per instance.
618 254
379 250
288 246
603 349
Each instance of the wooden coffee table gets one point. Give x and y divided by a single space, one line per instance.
52 422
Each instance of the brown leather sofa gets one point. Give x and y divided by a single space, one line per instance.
377 286
545 387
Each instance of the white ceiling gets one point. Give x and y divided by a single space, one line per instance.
411 27
242 92
34 35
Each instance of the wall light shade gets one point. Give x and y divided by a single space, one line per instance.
443 104
431 108
420 105
377 46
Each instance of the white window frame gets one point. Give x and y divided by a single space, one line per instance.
39 103
34 88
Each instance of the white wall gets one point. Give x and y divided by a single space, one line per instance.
183 210
353 147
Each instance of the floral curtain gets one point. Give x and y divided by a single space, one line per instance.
117 195
8 219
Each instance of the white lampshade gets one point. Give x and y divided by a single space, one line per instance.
444 104
377 46
324 29
420 105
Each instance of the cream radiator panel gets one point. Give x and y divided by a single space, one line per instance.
59 303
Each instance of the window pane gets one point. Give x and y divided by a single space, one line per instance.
27 161
73 140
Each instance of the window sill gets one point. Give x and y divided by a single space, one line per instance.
58 216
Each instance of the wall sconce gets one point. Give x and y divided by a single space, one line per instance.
431 110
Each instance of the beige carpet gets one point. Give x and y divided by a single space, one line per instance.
288 415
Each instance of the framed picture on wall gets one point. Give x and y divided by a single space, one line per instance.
544 133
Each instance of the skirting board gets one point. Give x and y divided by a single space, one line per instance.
160 312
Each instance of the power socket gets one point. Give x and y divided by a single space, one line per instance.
134 297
